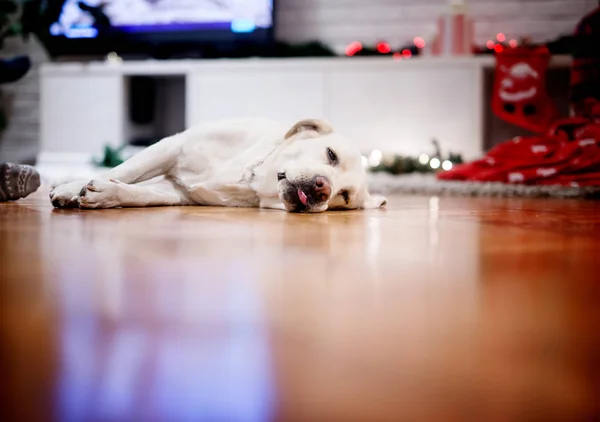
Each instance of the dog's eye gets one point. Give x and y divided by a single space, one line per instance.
346 195
333 159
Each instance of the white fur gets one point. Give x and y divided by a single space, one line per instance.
231 163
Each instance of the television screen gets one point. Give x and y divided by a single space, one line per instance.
162 21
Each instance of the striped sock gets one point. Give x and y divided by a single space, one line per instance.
17 181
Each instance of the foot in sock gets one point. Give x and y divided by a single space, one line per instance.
17 181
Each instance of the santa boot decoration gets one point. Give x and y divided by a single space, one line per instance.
520 95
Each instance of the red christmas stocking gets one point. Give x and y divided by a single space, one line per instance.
520 96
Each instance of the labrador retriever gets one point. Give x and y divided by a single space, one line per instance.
235 163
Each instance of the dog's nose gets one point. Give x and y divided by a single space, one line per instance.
280 176
322 188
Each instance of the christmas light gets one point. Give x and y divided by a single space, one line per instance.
406 53
513 43
353 48
383 47
498 48
501 37
397 56
419 42
375 157
397 164
490 44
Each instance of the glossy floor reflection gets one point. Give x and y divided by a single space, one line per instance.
436 309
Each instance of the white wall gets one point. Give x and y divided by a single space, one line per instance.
339 22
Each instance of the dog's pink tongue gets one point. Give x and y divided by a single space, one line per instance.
302 197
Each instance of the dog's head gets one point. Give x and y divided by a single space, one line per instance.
319 169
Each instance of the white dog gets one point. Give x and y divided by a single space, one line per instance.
235 163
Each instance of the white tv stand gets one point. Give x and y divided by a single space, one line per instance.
380 103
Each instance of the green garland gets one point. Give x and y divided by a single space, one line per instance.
112 157
425 163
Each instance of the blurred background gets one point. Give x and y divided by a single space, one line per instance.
89 77
436 308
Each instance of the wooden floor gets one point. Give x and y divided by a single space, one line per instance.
449 309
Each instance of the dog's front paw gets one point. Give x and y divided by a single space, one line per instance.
66 196
100 194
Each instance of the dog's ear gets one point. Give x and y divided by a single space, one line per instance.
312 127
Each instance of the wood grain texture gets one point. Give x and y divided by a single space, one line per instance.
446 309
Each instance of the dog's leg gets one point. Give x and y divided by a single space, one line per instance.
156 160
272 203
113 194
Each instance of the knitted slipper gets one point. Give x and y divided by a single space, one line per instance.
17 181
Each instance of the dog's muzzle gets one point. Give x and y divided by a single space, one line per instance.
306 195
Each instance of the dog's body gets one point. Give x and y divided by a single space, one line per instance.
235 163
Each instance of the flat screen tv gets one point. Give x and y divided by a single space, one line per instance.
157 27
